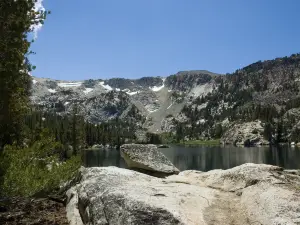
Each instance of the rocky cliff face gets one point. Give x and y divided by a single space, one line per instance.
199 104
245 134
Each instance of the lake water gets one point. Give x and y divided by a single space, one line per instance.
206 158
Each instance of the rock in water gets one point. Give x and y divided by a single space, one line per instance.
244 195
163 146
147 159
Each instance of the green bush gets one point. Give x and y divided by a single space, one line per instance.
169 116
35 169
168 138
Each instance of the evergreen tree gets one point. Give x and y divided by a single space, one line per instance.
279 132
16 20
77 130
179 133
268 132
218 131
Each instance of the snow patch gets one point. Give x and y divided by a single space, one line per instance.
88 90
66 103
132 93
71 84
106 86
118 89
34 81
151 111
51 90
155 88
170 105
169 90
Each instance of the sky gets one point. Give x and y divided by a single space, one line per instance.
84 39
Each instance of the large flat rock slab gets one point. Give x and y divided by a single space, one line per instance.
148 159
268 194
244 195
114 196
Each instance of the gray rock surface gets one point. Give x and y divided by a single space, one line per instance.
147 158
141 136
111 195
268 194
73 214
97 146
245 134
247 194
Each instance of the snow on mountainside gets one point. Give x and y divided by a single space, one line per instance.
101 100
194 104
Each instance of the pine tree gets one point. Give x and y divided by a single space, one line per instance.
279 131
218 131
77 130
16 20
179 133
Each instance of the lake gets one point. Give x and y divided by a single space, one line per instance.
206 158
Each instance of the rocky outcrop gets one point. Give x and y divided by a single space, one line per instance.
245 134
97 146
185 80
148 159
141 136
247 194
121 197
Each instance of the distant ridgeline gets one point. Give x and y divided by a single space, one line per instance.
256 104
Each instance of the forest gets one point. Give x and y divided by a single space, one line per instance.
32 155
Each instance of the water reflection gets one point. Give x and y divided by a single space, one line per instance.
207 158
101 157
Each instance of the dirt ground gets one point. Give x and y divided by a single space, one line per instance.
32 212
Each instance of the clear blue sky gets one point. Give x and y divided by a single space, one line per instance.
85 39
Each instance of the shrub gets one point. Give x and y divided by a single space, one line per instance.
169 116
35 169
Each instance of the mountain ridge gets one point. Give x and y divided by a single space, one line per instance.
148 94
194 101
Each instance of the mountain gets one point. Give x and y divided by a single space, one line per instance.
256 104
151 98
